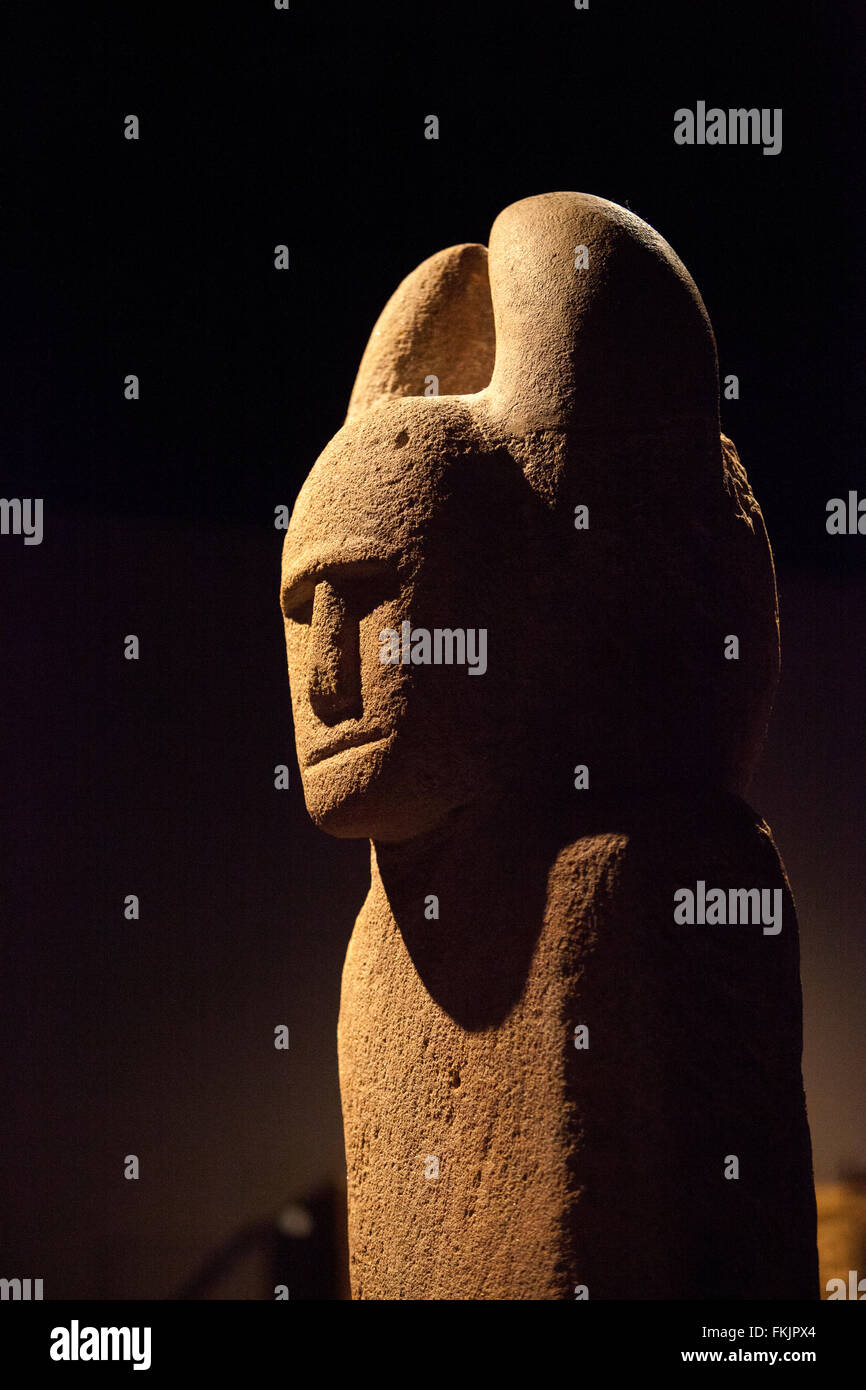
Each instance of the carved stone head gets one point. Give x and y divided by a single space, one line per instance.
567 493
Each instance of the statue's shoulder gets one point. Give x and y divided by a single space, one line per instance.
654 843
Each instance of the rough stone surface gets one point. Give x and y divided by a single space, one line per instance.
554 1167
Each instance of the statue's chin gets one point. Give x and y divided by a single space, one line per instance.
370 806
372 818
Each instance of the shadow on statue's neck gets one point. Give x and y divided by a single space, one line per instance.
469 898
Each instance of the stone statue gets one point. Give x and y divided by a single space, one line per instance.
532 638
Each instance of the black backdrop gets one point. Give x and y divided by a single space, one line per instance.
155 777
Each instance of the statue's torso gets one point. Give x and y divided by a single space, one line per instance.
496 1159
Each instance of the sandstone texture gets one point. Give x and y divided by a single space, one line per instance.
488 1156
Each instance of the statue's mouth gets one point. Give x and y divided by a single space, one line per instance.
360 739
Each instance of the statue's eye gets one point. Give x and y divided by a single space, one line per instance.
297 605
367 592
303 613
360 587
366 585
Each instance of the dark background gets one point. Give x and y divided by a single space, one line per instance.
155 777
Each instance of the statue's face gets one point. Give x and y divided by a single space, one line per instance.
377 539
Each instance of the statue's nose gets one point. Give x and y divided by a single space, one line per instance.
333 658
